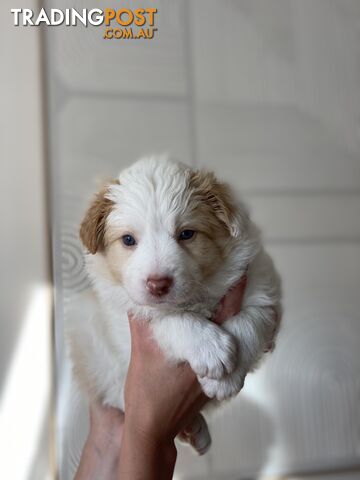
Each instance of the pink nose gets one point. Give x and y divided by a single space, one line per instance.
159 285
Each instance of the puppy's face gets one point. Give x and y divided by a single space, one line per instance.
163 231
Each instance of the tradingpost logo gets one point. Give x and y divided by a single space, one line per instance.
124 23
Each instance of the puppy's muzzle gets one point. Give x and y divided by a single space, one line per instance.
159 286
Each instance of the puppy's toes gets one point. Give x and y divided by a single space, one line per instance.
214 364
209 386
197 435
222 357
215 356
199 366
222 389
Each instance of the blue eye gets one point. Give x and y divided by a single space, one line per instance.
186 234
128 240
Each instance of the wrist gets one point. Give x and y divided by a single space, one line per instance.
148 426
157 454
146 434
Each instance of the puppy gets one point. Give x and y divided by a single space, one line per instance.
168 242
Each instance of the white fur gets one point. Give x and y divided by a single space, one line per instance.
150 199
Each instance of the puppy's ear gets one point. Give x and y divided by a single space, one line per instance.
219 197
92 228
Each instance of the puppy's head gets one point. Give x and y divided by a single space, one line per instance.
162 231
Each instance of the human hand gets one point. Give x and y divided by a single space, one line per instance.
168 396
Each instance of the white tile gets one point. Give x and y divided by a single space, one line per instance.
84 61
300 54
269 148
307 217
98 138
243 51
309 386
189 461
242 433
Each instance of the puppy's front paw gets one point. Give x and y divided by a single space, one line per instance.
216 354
223 389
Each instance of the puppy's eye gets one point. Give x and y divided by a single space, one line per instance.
186 234
128 240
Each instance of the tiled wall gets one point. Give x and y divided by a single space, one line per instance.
266 92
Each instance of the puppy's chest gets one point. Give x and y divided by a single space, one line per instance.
204 309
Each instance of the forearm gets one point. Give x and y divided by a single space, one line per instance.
101 452
143 457
99 459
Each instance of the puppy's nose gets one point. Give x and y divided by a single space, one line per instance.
159 285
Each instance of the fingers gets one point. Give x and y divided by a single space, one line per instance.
134 330
140 331
230 305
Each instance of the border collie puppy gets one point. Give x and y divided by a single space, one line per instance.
167 242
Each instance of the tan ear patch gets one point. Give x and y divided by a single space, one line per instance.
217 195
92 228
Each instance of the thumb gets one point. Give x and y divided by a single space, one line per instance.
134 325
139 330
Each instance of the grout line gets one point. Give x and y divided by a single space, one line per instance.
130 96
299 192
312 241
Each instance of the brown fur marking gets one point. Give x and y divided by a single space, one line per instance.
92 229
215 194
